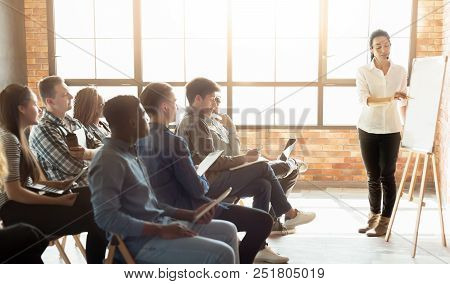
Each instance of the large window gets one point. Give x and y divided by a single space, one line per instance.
279 62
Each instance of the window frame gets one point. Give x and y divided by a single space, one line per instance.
322 81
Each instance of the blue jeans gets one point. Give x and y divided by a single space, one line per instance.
257 181
216 242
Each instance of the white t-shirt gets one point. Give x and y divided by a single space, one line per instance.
371 82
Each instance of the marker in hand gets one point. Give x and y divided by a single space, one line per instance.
401 95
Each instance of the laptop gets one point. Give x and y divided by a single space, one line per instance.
48 189
208 161
288 149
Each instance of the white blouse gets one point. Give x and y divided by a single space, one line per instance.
371 82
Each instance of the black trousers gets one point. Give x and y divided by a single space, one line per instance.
380 152
22 243
56 220
256 223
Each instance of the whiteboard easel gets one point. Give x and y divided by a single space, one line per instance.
427 80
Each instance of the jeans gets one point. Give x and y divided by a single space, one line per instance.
257 181
216 242
380 152
287 173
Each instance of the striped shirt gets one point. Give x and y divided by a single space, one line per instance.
47 141
13 151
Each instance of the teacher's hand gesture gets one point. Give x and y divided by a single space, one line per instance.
400 95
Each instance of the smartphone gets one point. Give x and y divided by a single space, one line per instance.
71 140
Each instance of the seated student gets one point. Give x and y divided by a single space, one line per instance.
88 109
226 138
55 216
124 202
175 181
60 159
20 243
201 94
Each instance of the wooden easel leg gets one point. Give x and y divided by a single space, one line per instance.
399 196
438 195
419 209
413 179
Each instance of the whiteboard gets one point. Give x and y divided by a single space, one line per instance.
427 78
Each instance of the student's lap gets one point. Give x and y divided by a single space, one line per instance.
217 229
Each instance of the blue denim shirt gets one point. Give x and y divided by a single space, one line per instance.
171 169
122 197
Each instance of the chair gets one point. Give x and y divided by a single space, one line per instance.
117 242
60 243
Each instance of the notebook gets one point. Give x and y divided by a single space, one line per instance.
288 149
212 204
208 161
260 160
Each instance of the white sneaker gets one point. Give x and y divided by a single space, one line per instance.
301 218
302 166
279 228
268 255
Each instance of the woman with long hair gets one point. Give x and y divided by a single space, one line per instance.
20 243
88 109
55 216
381 88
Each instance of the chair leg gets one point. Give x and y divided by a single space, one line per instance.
61 251
129 259
79 245
111 252
63 242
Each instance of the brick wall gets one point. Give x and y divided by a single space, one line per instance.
333 155
36 40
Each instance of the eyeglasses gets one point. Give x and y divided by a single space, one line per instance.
218 100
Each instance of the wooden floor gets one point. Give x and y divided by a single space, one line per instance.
332 237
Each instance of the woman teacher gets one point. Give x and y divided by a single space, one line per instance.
381 89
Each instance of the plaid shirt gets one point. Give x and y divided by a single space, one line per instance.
47 141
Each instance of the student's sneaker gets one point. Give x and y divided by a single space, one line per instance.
301 218
269 256
279 228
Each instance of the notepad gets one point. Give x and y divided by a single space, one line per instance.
212 204
208 161
248 164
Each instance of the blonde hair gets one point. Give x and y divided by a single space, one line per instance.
3 167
